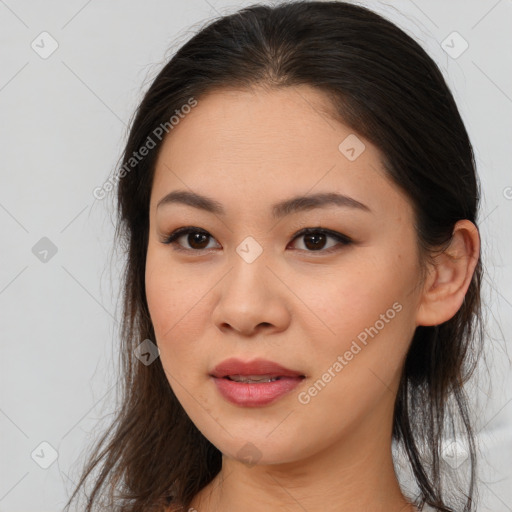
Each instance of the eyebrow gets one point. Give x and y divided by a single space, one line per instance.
279 210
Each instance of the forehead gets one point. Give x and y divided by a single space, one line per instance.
276 124
261 143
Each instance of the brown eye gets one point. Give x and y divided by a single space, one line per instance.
315 239
196 239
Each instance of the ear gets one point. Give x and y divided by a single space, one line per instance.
449 278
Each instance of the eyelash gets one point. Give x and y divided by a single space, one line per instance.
178 233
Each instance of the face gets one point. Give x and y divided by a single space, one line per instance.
337 305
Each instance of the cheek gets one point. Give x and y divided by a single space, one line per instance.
351 298
161 297
177 309
366 312
169 293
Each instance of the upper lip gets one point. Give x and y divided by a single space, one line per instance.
235 366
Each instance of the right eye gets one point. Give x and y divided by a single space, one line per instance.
195 237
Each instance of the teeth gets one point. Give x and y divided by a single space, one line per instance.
252 378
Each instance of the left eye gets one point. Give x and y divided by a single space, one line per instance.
314 239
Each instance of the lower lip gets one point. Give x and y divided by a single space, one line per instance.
255 394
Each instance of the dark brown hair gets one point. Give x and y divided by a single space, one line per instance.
385 87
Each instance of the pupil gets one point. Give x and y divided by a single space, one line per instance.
317 243
196 237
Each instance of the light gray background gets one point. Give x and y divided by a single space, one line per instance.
63 125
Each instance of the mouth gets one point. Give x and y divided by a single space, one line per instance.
255 383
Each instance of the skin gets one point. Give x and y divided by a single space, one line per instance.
294 305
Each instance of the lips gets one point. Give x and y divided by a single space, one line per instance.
254 383
258 369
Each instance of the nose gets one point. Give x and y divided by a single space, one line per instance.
252 298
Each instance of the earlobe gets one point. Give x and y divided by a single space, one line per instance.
450 276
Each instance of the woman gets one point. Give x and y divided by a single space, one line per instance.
298 201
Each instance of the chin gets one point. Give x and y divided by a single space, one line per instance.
257 447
